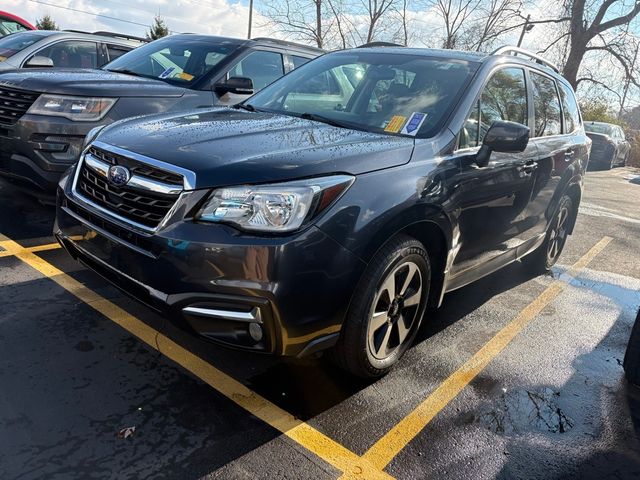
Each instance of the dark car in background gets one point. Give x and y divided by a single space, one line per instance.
48 48
328 210
45 114
610 148
10 23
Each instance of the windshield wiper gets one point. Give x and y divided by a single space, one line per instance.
321 118
128 72
245 106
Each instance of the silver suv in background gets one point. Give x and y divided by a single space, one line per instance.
47 48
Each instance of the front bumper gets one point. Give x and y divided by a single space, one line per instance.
216 282
38 149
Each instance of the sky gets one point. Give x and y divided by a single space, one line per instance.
218 17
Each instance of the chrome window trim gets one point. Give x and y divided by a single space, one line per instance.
189 179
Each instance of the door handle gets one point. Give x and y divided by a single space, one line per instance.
568 155
529 167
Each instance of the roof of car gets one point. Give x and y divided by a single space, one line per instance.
62 33
248 42
431 52
591 122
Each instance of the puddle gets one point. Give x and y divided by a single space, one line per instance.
519 411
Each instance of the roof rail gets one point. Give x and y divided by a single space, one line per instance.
286 42
515 51
122 35
379 44
110 34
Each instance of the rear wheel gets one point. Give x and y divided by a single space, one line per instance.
386 310
546 255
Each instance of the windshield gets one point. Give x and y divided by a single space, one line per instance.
13 44
394 93
599 128
180 60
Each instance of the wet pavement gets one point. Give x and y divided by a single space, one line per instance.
552 404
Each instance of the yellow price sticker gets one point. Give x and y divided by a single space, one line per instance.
395 124
185 76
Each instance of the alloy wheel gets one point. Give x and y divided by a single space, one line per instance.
395 309
557 235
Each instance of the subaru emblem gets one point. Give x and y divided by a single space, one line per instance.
118 175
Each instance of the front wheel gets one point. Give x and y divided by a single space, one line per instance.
546 255
386 310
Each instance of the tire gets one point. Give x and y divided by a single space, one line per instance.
632 355
546 255
369 348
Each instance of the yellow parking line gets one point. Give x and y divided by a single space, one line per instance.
385 449
10 250
304 434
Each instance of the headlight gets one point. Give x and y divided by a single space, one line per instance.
78 109
274 208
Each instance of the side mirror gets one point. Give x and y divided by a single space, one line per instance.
237 85
39 62
507 137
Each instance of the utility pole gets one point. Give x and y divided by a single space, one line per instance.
525 28
626 85
250 18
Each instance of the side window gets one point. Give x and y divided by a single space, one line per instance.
72 54
8 27
570 107
324 83
547 106
261 67
504 98
116 51
299 61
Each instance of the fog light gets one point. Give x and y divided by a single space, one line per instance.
255 330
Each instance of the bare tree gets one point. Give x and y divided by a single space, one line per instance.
376 10
494 19
455 14
298 19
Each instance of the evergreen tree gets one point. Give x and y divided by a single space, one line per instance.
159 29
46 23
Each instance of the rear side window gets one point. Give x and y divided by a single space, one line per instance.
547 106
298 61
116 51
261 67
570 108
72 54
504 98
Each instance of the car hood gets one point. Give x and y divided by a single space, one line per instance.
85 82
232 147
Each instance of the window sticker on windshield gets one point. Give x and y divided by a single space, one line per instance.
415 122
167 72
395 124
185 76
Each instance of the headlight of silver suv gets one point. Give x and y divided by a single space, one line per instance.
77 109
282 207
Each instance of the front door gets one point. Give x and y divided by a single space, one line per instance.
491 201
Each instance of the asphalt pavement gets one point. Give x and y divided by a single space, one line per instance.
514 377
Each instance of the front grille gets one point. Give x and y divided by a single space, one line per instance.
14 103
143 207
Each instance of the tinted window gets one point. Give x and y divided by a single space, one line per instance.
379 91
323 84
179 60
261 67
299 61
8 27
547 106
72 54
9 46
570 108
504 98
116 51
603 128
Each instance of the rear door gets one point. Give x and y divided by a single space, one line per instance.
560 143
492 200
